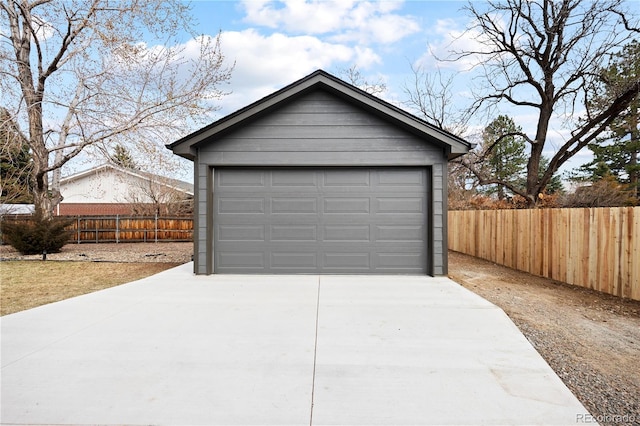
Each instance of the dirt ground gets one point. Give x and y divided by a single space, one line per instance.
591 340
111 252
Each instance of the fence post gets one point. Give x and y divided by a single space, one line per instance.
117 228
156 230
78 229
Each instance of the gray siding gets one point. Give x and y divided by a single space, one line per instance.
320 129
200 241
438 217
314 130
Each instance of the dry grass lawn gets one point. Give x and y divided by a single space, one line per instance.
27 284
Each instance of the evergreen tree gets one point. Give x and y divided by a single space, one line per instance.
123 158
617 152
555 185
505 157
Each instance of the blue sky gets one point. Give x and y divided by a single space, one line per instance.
274 43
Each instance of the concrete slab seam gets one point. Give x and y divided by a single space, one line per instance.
315 353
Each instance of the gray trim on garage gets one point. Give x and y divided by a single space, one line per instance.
320 122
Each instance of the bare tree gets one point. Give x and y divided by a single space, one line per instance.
355 77
544 55
431 95
606 192
15 164
78 73
158 195
462 187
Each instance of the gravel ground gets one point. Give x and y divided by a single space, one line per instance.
591 340
111 252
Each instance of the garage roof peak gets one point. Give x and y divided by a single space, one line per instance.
322 80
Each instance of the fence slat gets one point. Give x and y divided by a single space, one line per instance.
596 248
124 229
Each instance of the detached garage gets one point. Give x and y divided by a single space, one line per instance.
320 177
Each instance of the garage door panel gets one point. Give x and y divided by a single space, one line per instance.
241 232
294 205
347 261
294 261
240 205
347 178
346 205
398 260
293 179
352 220
236 179
400 205
400 178
238 259
294 233
399 233
347 233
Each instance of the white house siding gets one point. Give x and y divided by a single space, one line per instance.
104 186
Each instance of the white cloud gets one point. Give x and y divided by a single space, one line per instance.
44 30
297 16
265 63
364 22
286 40
449 37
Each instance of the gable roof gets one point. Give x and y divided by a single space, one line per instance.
174 184
185 147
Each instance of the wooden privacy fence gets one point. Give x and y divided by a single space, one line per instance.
125 229
596 248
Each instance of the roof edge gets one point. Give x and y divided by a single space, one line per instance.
137 173
185 145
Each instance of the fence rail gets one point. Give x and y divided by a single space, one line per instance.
596 248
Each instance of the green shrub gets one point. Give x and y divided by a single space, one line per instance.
37 235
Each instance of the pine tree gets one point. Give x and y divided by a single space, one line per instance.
617 152
555 185
505 158
123 158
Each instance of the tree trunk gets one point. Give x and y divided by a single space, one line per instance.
533 165
44 201
534 184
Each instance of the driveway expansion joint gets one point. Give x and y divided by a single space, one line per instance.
315 353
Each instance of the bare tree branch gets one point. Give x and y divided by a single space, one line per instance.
432 96
88 78
545 55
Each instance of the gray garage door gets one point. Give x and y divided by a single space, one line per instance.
300 220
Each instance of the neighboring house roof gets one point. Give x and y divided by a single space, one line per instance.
186 147
16 209
170 183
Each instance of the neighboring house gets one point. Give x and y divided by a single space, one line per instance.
320 177
110 190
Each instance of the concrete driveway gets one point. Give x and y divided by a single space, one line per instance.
276 350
